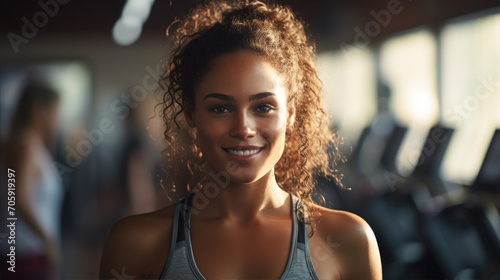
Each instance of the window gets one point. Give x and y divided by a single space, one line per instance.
470 64
408 68
350 90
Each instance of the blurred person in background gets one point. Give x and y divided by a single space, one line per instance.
140 166
28 150
242 82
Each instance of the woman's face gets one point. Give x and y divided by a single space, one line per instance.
241 116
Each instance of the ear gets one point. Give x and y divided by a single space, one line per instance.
189 115
291 116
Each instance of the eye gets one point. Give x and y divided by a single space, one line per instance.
264 108
219 109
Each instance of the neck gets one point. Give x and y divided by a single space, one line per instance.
242 203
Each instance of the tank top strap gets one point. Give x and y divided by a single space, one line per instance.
183 214
306 270
181 264
302 228
178 230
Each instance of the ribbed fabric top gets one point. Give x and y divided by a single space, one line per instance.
181 263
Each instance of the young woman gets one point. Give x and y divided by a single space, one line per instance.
243 111
38 190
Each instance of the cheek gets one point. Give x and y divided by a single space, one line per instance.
209 133
274 128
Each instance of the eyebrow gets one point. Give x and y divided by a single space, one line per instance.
230 98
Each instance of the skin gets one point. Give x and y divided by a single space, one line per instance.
252 204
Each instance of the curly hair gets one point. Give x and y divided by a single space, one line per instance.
275 32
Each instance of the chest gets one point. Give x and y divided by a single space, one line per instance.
260 250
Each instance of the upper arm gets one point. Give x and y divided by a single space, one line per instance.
361 259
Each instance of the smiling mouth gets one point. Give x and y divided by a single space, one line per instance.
244 152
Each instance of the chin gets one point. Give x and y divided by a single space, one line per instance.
244 180
246 177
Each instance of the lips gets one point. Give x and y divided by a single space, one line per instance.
243 154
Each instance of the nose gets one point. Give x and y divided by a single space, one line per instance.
243 126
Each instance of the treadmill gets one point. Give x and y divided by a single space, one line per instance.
465 238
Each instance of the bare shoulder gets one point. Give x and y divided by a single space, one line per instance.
342 224
138 245
353 241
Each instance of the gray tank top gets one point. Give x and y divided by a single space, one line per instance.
181 263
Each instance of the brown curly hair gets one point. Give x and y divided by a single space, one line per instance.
218 28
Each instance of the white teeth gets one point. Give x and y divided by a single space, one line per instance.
243 153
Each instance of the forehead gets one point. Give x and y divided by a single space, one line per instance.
241 73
